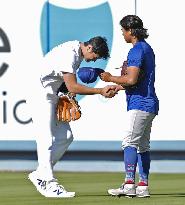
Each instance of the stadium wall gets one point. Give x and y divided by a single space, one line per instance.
29 29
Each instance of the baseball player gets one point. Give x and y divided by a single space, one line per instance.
53 137
138 76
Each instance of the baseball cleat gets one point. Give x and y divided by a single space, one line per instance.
49 188
128 190
142 191
37 182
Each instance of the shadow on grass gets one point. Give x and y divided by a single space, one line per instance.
93 195
105 195
171 194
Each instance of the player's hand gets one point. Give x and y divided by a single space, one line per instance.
119 87
109 91
105 76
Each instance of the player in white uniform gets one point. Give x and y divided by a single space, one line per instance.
53 137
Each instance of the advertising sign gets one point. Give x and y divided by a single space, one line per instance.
29 29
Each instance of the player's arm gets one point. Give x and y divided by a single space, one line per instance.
129 79
74 87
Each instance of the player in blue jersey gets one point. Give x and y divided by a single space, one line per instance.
138 77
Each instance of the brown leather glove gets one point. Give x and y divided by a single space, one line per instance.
67 108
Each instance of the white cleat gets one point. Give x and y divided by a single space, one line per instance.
49 188
142 191
37 182
128 190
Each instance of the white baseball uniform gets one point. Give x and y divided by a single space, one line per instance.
53 137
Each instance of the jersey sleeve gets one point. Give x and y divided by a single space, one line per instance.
135 57
67 65
66 62
62 59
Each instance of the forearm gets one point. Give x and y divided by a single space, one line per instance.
84 90
74 87
122 80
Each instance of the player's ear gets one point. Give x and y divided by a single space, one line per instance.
130 31
89 48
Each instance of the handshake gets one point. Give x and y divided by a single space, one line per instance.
89 75
109 91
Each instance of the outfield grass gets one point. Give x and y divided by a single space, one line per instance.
91 189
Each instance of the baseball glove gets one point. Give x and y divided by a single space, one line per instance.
67 108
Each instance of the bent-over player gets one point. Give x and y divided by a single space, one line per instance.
53 137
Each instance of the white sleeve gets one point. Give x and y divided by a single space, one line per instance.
62 59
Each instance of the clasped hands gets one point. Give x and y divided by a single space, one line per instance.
110 90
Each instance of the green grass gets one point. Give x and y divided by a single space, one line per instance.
91 189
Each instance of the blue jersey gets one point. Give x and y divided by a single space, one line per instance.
143 96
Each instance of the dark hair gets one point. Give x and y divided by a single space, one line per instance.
99 46
135 24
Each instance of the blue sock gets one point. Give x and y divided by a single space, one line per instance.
144 166
130 160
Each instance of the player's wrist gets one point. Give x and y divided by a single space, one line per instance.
110 78
99 90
